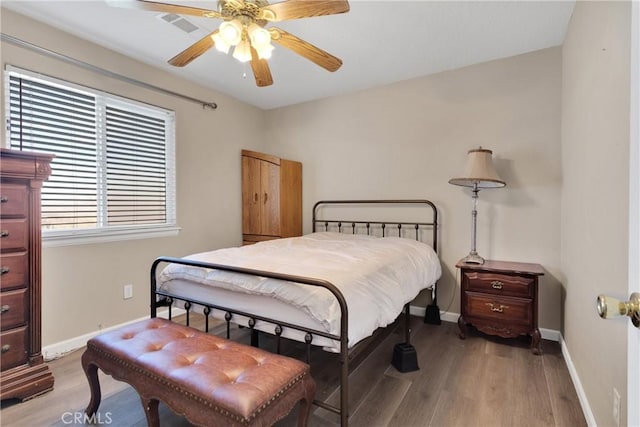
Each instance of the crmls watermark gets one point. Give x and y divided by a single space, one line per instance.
82 418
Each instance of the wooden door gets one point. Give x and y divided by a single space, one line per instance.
270 200
251 194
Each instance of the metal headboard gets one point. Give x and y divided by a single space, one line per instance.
319 223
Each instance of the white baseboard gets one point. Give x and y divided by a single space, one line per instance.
57 350
582 396
550 334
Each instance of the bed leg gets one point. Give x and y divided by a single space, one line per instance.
255 338
405 358
407 323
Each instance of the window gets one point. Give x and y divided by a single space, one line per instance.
113 172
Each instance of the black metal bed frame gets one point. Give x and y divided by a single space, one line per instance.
165 299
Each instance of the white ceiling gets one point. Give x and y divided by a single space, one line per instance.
380 42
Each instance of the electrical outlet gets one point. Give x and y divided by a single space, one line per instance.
128 291
616 407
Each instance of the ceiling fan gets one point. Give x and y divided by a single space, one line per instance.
244 29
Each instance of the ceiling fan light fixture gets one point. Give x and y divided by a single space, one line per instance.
259 36
242 51
220 44
231 32
264 52
243 28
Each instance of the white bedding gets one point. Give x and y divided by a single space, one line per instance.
377 276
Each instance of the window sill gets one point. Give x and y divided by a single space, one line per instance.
53 238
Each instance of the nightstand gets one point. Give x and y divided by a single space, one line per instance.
500 298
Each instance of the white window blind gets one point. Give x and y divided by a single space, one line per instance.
113 171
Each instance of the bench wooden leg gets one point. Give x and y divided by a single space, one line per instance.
151 411
91 371
306 402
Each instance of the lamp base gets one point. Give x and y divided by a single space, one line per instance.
473 258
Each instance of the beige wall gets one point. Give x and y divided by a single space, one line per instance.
595 165
406 140
82 285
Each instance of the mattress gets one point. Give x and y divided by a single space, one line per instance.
376 275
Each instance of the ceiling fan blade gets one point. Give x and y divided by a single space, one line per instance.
193 51
294 9
261 70
309 51
164 7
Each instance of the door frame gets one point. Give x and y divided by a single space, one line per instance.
633 337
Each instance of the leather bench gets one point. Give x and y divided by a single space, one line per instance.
209 380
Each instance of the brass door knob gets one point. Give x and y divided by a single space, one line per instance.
609 307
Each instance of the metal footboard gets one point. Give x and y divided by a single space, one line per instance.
161 298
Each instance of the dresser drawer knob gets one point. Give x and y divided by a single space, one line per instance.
4 199
496 284
5 348
4 233
498 308
4 309
4 270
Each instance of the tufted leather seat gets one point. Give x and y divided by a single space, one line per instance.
210 380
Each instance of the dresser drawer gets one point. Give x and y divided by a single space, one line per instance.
14 234
13 270
14 350
13 309
13 200
504 309
499 284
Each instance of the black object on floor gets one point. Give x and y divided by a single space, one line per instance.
432 316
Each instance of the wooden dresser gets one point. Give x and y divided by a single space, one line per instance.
271 197
500 298
24 373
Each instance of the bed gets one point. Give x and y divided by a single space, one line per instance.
333 288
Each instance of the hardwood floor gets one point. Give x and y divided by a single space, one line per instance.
480 381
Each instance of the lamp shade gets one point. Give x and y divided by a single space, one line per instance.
242 51
479 171
231 32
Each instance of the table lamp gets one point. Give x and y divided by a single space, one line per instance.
479 173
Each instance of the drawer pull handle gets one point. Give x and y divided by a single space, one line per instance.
4 309
496 284
499 309
5 348
4 270
4 199
4 233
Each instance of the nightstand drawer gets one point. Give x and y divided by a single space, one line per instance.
13 306
13 270
511 310
13 344
13 200
499 284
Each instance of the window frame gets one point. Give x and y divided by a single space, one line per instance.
108 233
